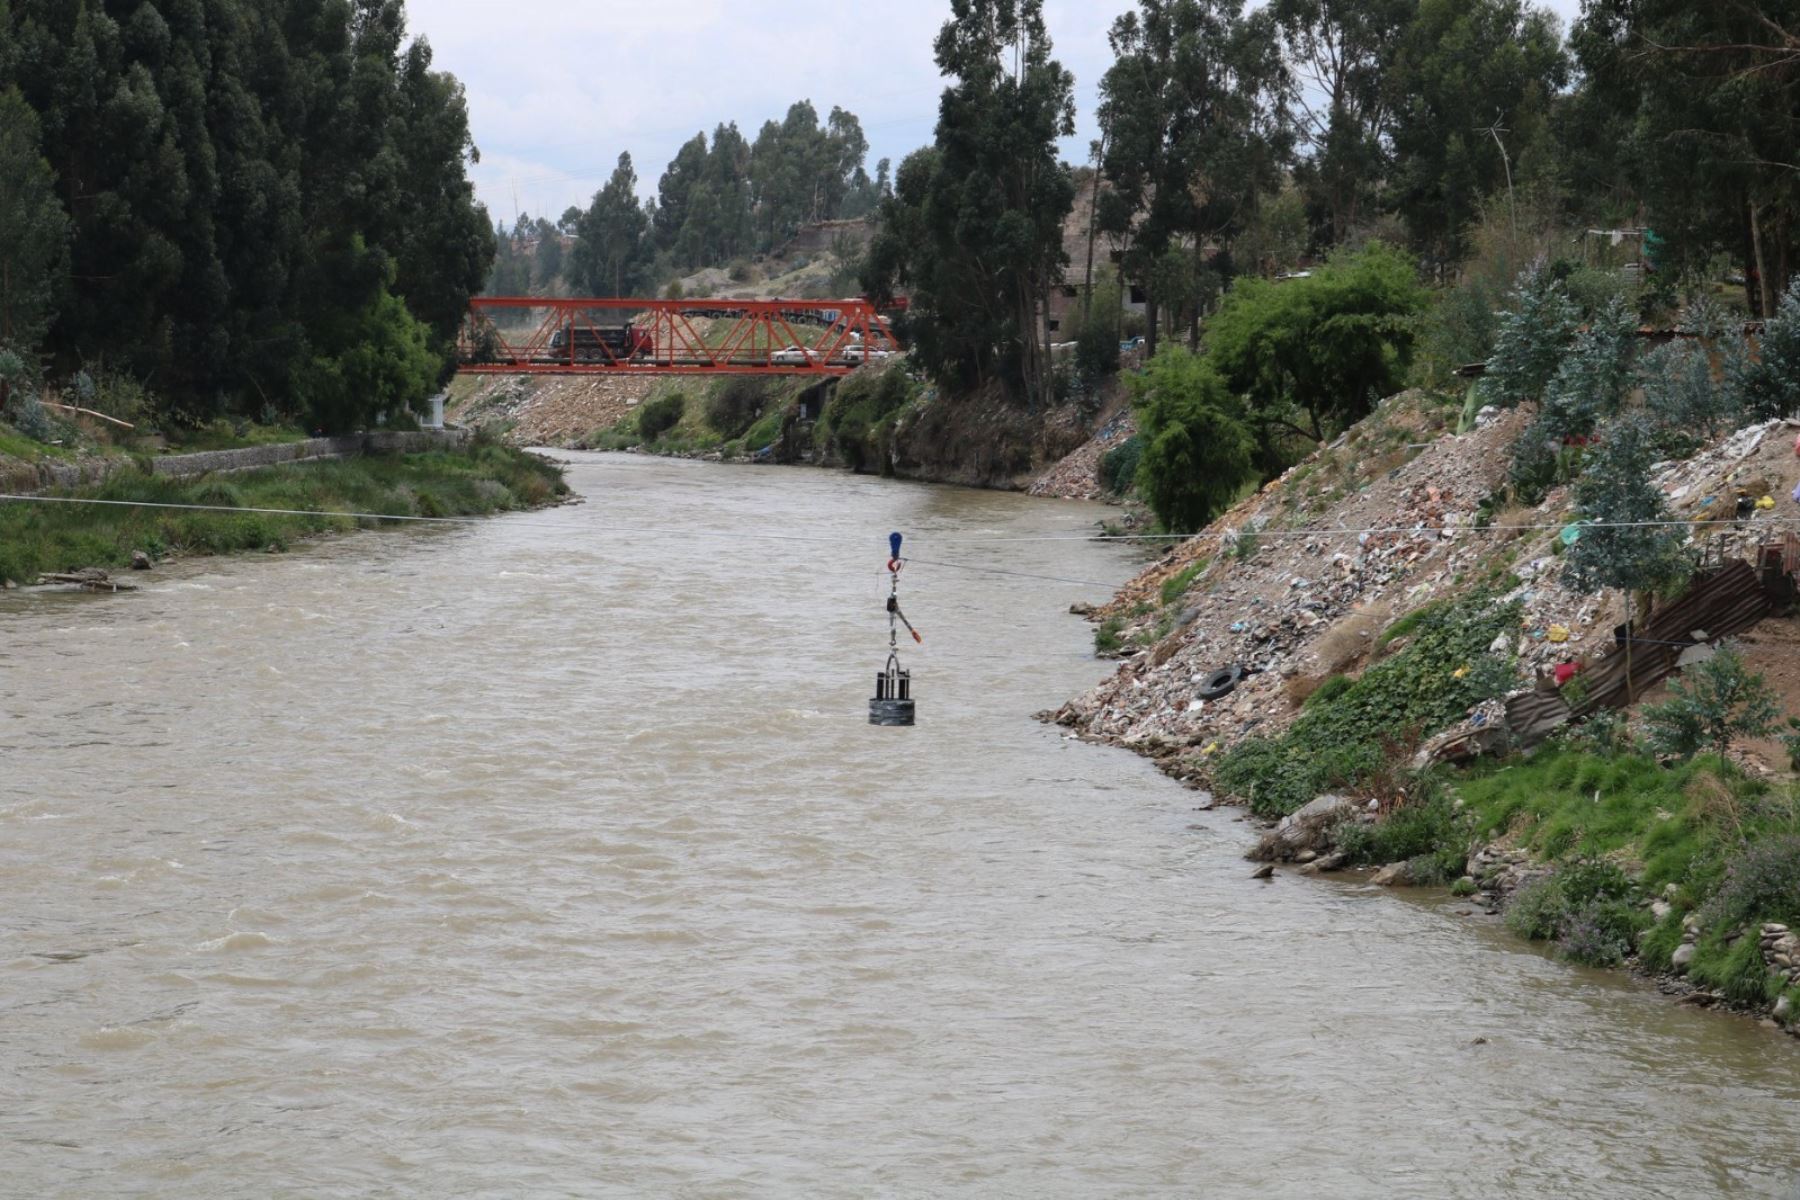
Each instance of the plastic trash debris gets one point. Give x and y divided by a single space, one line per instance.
1566 671
1559 634
1571 534
1766 503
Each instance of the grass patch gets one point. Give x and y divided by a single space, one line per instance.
1350 737
486 478
1408 624
229 435
1176 586
1563 802
1106 636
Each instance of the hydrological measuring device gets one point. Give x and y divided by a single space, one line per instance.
893 701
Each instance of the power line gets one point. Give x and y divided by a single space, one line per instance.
1780 523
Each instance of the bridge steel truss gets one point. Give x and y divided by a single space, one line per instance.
535 335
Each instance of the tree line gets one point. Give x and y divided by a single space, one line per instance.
717 201
1333 122
249 207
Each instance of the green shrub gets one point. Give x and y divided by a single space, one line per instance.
766 431
1535 911
1598 934
1712 704
1176 585
660 415
1106 636
1331 689
734 403
860 417
1424 833
1761 883
1119 465
1198 453
1735 968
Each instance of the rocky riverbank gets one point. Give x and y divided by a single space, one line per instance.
1379 599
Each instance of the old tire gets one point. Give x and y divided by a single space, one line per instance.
1220 682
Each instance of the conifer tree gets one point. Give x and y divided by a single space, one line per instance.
34 231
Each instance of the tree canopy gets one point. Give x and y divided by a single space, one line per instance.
974 230
252 191
1311 355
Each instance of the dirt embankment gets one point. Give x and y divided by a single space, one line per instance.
1299 582
986 440
557 411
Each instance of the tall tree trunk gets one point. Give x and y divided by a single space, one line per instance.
1752 290
1149 319
1765 285
1087 291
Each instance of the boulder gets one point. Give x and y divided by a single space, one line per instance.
1307 829
140 561
1684 954
1266 871
1393 875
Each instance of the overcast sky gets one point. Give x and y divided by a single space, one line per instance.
557 88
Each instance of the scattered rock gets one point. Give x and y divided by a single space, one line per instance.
1308 829
1480 1041
1684 954
1266 871
1783 1007
1328 862
140 561
1393 875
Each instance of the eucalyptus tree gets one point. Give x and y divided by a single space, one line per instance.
1339 53
1193 132
1708 99
975 228
1471 84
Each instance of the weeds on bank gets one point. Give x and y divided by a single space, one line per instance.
1616 828
487 478
1351 736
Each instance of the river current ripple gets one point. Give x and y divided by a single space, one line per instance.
533 858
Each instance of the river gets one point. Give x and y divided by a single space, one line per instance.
539 858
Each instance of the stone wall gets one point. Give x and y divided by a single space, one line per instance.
249 458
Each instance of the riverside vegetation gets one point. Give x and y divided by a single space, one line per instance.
1637 838
487 478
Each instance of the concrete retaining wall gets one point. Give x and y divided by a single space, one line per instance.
185 466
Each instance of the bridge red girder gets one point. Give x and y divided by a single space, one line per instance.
625 336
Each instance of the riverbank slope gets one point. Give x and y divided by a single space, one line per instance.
1366 652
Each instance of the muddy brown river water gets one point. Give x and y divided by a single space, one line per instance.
530 858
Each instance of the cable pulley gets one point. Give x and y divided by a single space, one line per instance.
893 700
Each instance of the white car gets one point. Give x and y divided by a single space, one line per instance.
791 356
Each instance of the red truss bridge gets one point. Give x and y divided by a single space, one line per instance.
531 335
